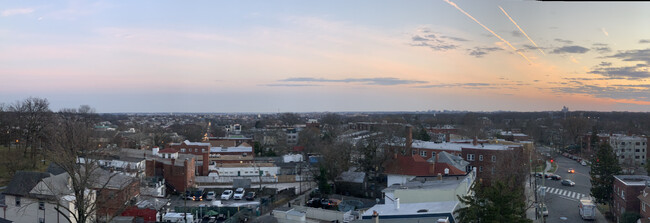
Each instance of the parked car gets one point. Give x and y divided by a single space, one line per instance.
239 193
250 196
571 170
538 175
211 195
314 202
187 196
226 195
543 209
568 183
327 203
583 163
198 195
556 177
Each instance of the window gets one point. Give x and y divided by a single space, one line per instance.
423 153
638 143
433 154
41 220
623 194
636 150
470 157
492 170
636 157
480 157
480 169
643 206
494 158
622 143
17 201
182 150
414 152
203 150
41 205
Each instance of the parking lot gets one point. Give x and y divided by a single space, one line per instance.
177 201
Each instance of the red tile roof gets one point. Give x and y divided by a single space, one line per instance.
409 165
168 150
440 168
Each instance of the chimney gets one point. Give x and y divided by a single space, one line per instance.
432 168
475 141
409 136
206 163
437 157
145 155
397 203
173 161
440 176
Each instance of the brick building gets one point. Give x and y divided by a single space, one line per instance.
486 157
627 189
644 197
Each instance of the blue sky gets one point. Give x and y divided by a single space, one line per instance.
270 56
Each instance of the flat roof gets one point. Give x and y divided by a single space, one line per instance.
389 208
448 182
633 180
417 144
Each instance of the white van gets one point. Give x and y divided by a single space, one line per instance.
587 208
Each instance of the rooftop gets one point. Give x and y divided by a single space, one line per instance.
458 146
412 209
633 180
447 182
23 182
187 142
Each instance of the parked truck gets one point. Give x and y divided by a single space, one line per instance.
587 208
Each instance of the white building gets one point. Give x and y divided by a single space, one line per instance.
630 150
36 197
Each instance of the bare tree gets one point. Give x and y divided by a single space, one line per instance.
73 148
32 115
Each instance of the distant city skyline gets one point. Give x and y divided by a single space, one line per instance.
315 56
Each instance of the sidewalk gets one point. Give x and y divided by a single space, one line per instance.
530 195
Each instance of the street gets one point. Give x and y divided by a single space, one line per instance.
562 201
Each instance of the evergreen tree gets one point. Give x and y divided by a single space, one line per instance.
323 184
603 168
423 135
495 203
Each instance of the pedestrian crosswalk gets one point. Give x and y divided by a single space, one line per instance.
565 193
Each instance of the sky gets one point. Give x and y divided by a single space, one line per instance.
317 56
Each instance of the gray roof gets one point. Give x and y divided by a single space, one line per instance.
55 169
2 220
53 187
111 180
456 161
352 176
23 182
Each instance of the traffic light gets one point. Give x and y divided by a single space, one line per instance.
551 160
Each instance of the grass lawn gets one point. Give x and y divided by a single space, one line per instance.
540 168
553 167
14 160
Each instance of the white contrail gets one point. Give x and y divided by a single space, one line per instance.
521 30
489 30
